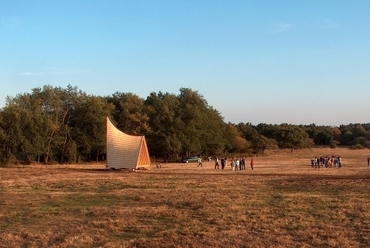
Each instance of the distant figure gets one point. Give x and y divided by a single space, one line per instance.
252 163
313 161
339 161
368 161
217 166
242 164
200 162
237 164
222 163
317 163
233 164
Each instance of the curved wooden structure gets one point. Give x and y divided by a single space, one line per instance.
125 151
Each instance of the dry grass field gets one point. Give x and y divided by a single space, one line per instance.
283 202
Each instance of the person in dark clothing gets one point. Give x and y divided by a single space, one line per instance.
242 164
222 163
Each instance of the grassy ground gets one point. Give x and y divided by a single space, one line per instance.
283 202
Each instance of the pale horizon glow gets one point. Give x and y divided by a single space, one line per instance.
273 62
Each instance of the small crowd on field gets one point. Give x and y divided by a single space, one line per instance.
235 163
326 161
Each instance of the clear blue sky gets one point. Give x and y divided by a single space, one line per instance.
273 62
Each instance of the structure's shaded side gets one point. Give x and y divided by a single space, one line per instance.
125 151
144 158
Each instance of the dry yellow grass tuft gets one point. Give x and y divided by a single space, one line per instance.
283 202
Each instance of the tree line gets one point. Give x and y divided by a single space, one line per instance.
66 125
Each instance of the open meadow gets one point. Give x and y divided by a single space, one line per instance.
283 202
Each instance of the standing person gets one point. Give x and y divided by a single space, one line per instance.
339 161
222 163
313 161
335 162
368 161
216 163
233 165
317 163
252 163
200 162
237 164
242 163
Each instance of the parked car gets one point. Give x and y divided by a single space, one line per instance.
191 159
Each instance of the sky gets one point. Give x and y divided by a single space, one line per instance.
256 61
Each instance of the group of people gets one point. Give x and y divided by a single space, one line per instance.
326 161
235 163
316 162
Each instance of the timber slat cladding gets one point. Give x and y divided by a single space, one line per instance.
125 151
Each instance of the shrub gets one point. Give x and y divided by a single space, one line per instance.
357 147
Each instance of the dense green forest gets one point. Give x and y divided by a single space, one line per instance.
65 125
